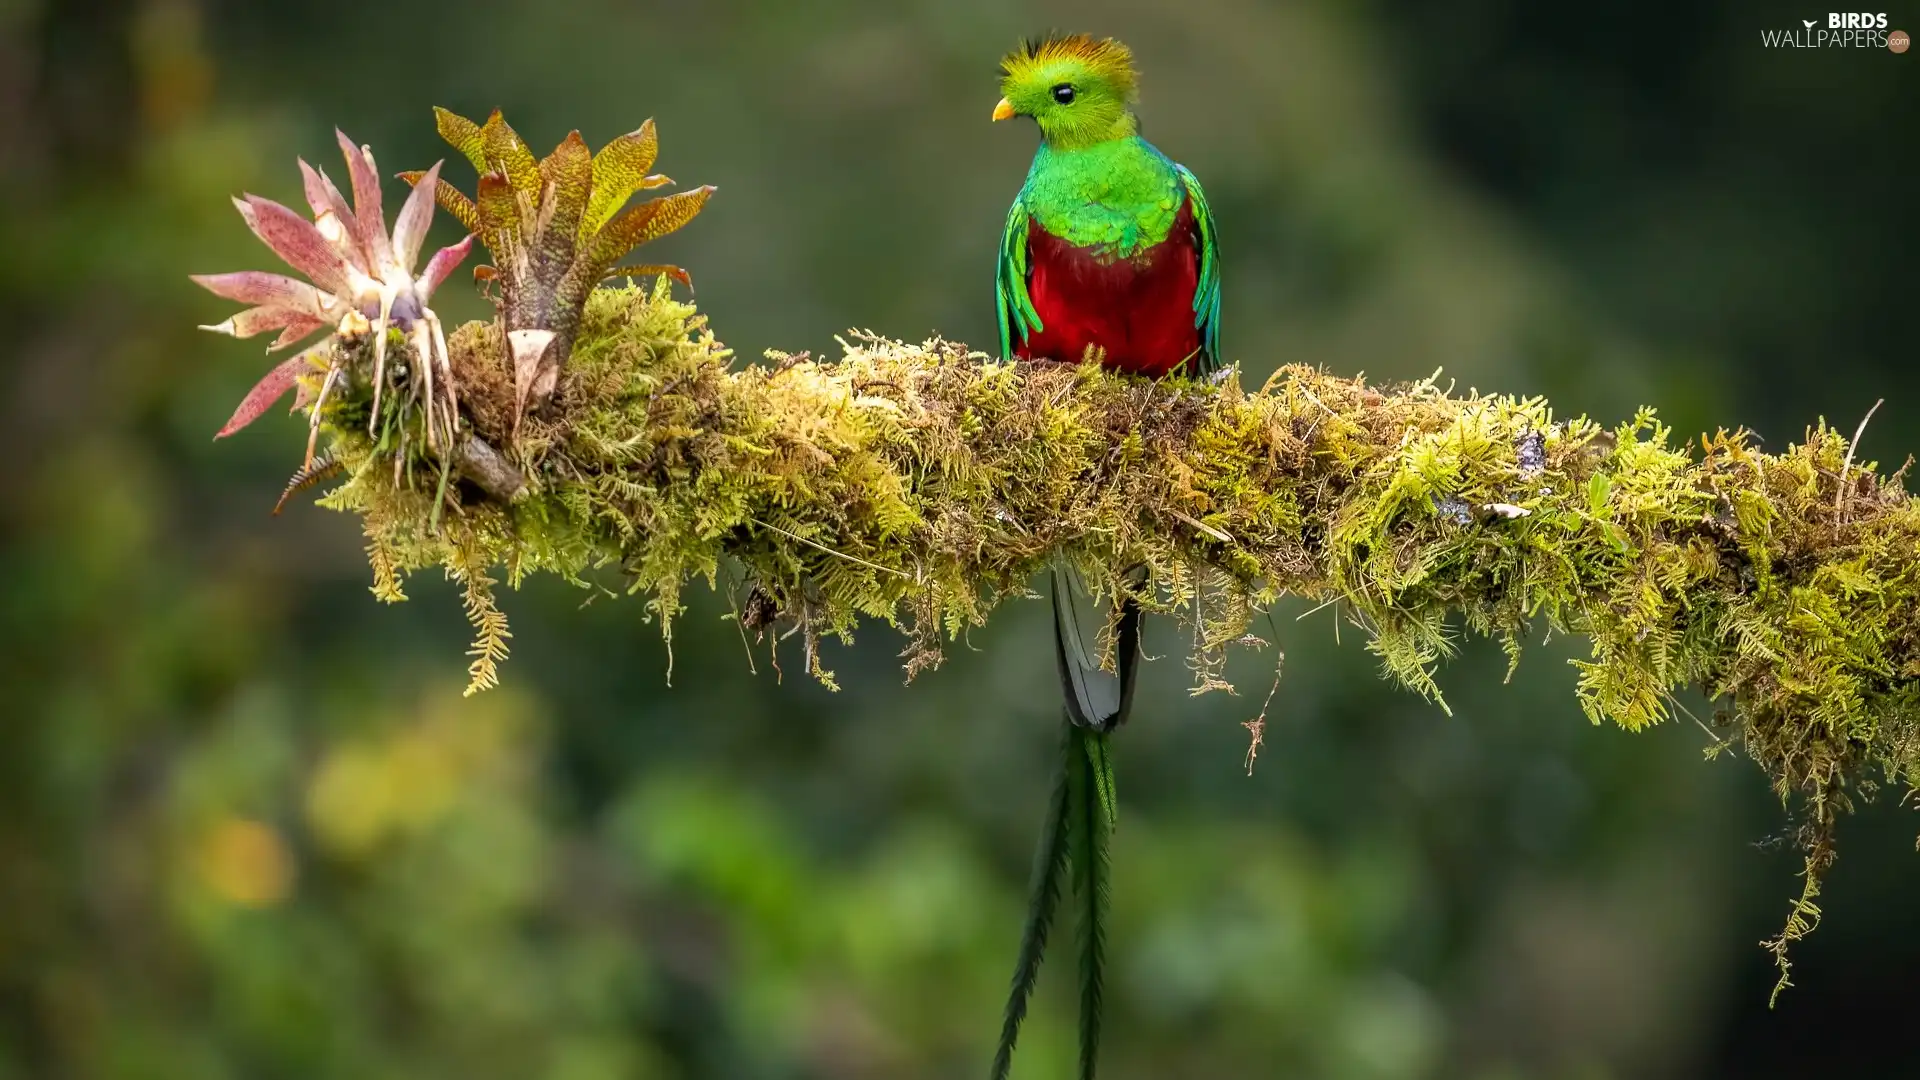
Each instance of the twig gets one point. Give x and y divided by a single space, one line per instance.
1202 527
822 547
1317 608
481 463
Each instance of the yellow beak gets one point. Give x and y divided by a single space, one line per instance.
1004 110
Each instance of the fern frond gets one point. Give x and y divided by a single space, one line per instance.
384 563
489 626
1803 915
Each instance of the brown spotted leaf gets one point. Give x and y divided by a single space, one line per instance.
267 391
451 199
568 174
648 221
463 135
499 216
619 170
506 152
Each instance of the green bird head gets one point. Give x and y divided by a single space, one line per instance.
1079 90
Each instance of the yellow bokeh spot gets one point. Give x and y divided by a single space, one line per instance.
370 792
246 863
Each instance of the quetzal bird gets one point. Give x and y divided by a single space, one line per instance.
1109 252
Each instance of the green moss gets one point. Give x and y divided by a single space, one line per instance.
923 485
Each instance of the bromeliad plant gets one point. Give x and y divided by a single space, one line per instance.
556 229
362 285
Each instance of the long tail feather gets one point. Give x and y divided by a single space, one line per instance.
1049 874
1096 698
1089 831
1079 819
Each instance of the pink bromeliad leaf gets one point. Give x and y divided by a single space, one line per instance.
267 391
441 265
267 290
258 320
367 211
416 216
298 329
331 215
296 240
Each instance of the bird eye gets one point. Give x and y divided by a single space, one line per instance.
1063 93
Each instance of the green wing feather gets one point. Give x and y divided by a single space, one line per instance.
1049 874
1012 303
1088 832
1206 292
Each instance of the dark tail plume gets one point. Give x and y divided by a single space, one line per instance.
1096 698
1049 875
1090 806
1080 815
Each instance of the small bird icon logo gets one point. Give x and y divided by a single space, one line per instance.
1809 22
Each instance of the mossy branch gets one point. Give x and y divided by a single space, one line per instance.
922 485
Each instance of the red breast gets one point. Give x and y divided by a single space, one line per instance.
1139 310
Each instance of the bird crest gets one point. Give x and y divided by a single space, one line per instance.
1106 58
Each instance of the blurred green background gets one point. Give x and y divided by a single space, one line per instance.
249 828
